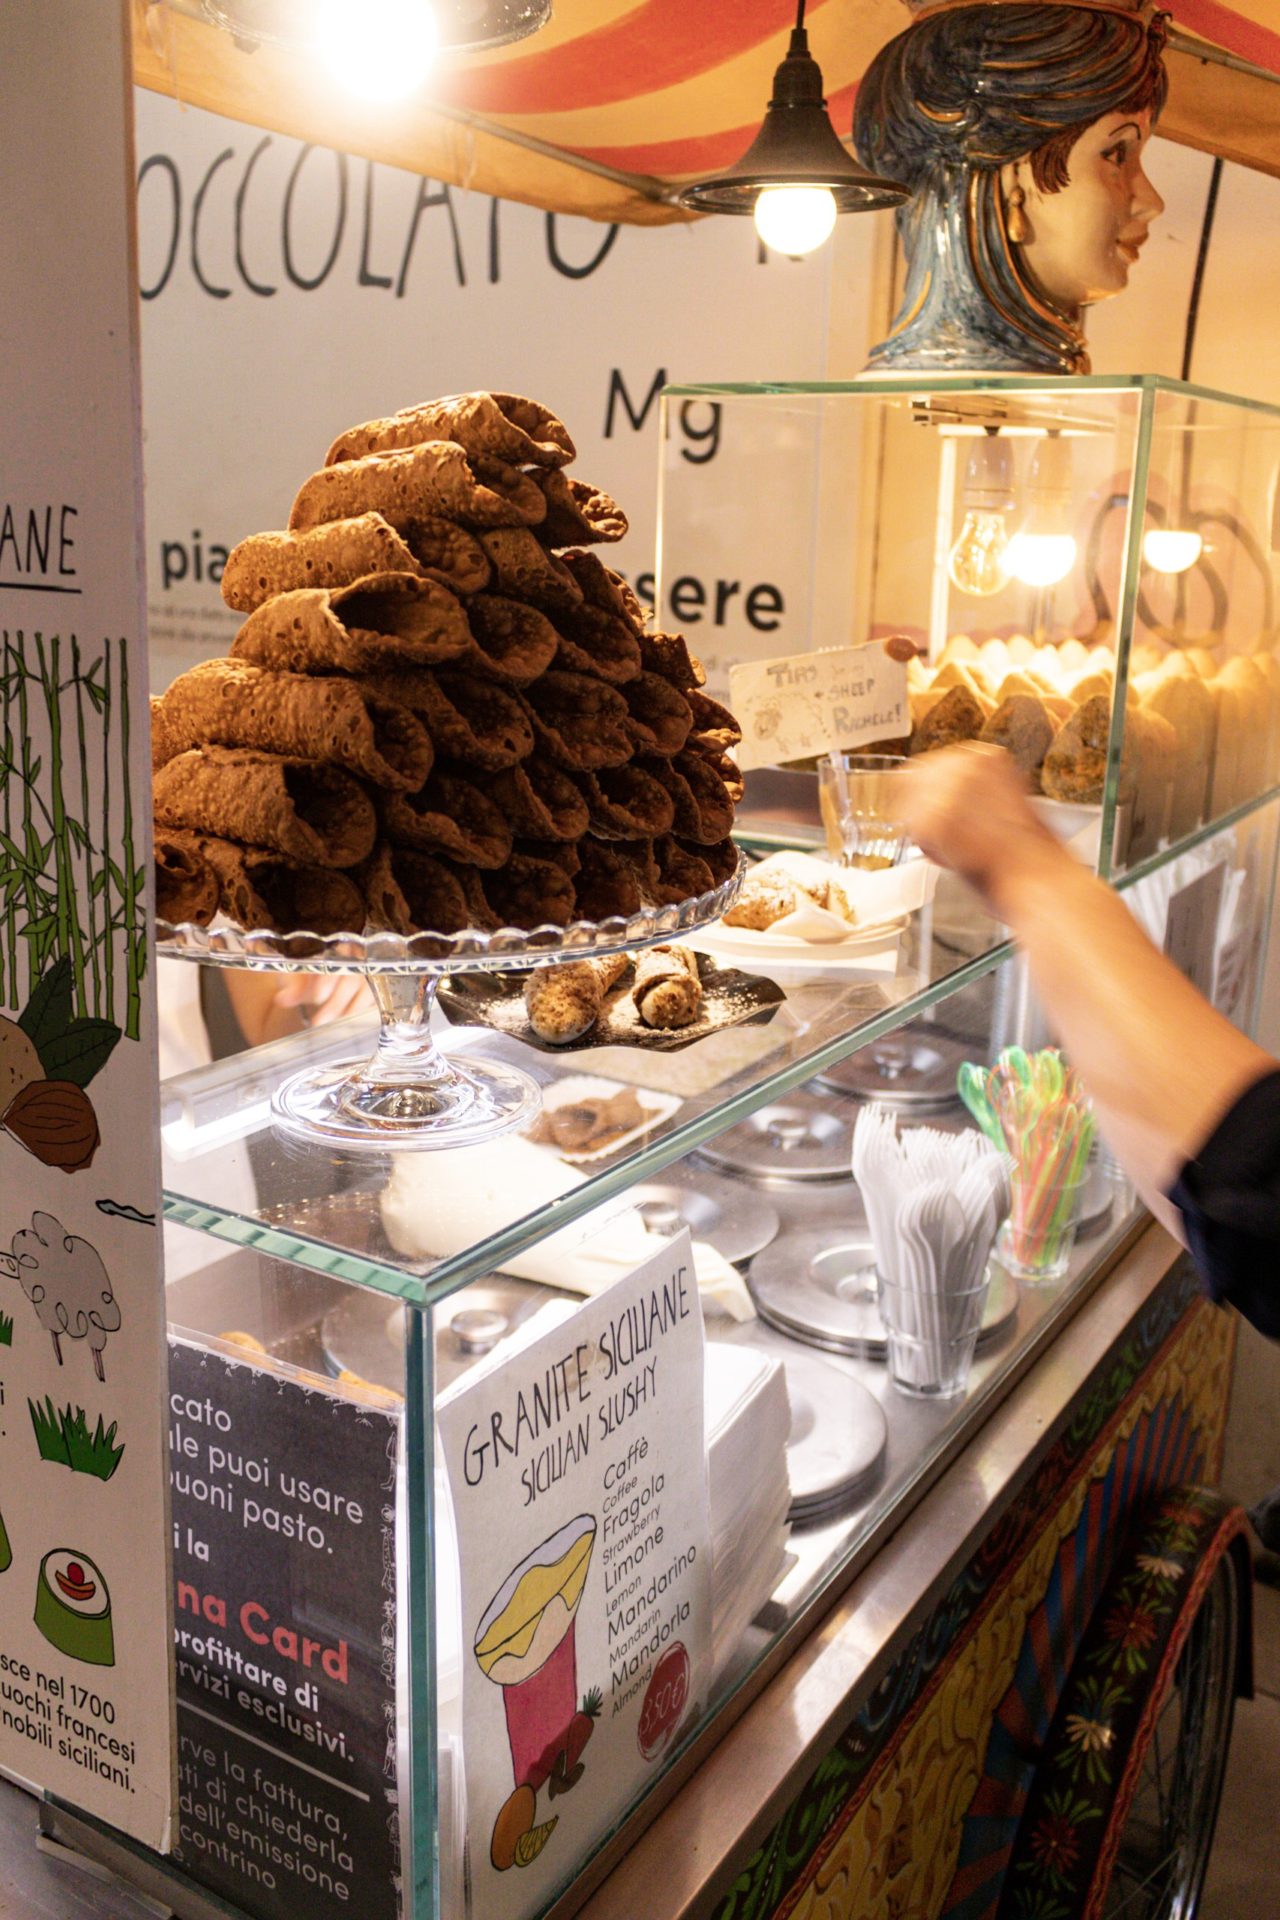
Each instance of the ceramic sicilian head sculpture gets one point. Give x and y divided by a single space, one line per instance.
1021 130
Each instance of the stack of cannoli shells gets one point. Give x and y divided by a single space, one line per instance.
443 710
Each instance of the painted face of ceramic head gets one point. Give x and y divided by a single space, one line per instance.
1084 237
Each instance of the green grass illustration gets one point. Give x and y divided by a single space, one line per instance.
62 1434
6 1329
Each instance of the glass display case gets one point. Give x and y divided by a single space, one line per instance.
328 1307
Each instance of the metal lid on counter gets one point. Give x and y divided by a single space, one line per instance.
912 1071
729 1217
802 1137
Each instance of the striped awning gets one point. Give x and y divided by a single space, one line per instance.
615 102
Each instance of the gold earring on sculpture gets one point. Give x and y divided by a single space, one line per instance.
1015 219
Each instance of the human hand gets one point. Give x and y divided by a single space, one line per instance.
319 998
967 807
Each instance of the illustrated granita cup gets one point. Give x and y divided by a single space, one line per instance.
525 1643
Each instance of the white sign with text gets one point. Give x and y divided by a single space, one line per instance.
580 1500
829 701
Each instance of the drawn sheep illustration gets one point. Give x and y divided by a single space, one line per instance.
64 1279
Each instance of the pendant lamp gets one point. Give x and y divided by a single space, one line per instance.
796 175
458 26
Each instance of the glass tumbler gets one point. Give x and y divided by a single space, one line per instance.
858 794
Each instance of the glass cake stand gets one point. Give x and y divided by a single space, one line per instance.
410 1093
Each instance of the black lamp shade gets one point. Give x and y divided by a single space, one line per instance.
797 146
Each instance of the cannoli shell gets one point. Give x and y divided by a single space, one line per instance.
528 893
501 424
449 815
561 853
512 641
164 740
722 857
408 891
186 885
330 556
659 717
379 622
600 643
581 723
668 656
606 884
471 719
540 800
268 892
448 553
433 478
682 874
602 587
666 988
527 571
231 703
576 514
563 1001
626 803
317 814
714 728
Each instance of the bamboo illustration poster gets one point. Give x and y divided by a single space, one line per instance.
84 1587
584 1550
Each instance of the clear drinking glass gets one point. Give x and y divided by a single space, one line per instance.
932 1336
858 794
1035 1242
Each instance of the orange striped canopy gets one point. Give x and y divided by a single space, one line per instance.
616 102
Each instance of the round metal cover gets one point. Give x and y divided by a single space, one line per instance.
912 1071
820 1287
838 1434
364 1333
728 1216
1095 1207
804 1137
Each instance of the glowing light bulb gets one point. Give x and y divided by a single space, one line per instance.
978 563
1171 549
795 219
1041 559
379 49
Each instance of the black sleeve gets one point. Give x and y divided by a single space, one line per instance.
1229 1198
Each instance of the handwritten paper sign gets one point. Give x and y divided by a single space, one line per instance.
580 1500
804 704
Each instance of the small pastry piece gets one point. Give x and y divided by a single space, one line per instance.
763 902
606 886
660 718
529 893
231 703
470 719
265 891
580 722
592 1123
1021 725
667 990
540 801
576 515
1075 767
957 716
449 815
564 1000
432 478
186 885
600 643
511 641
667 655
381 621
626 803
501 425
317 814
524 569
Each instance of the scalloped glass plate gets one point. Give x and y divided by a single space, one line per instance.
411 1095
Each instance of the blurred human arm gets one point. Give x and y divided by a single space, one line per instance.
268 1006
1163 1067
